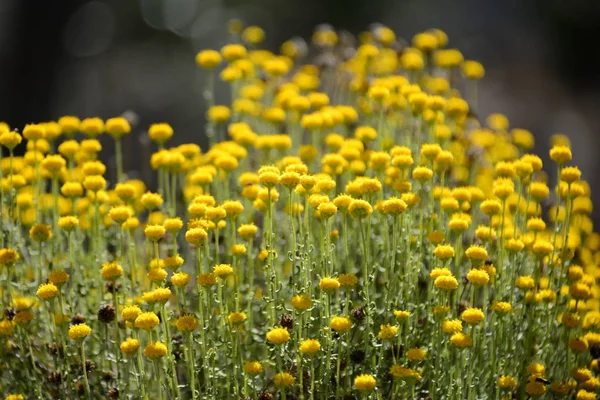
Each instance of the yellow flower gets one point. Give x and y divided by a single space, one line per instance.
160 132
535 388
111 271
22 317
284 379
130 313
154 232
301 302
542 248
452 326
10 140
446 282
365 383
329 285
68 223
404 373
58 277
347 279
233 52
34 132
47 291
444 252
236 317
40 233
8 256
222 270
501 307
180 279
478 277
152 200
155 350
581 374
387 332
208 59
472 316
340 324
401 315
6 327
15 397
477 253
560 154
461 340
173 262
310 346
207 279
94 183
129 346
507 382
579 345
253 367
525 282
416 354
117 127
360 209
238 249
196 236
536 369
186 323
473 70
247 231
436 272
585 395
278 335
146 320
79 331
91 127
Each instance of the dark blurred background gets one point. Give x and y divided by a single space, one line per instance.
101 58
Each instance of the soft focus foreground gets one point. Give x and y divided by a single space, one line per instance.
353 231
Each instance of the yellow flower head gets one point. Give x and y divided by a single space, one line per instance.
79 331
111 271
130 313
117 127
387 332
146 320
301 302
278 335
284 379
8 256
186 323
329 285
155 350
253 367
472 316
507 382
461 340
47 291
40 233
180 279
236 317
58 277
560 154
340 324
478 277
222 270
416 354
129 346
365 383
310 346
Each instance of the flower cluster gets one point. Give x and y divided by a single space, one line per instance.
353 229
